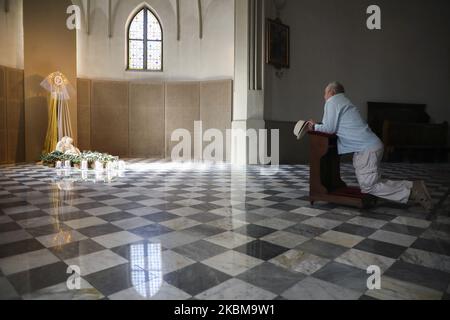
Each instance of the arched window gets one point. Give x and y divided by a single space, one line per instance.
145 42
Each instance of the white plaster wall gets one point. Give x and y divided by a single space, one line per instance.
11 34
188 59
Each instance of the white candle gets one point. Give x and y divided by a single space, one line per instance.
68 164
109 166
98 166
84 165
122 166
58 165
84 175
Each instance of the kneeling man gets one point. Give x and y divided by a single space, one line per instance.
354 136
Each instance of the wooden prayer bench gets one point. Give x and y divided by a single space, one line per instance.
326 183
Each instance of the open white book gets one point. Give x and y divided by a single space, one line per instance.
301 128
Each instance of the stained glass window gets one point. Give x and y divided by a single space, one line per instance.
145 42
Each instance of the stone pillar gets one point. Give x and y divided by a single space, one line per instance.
248 109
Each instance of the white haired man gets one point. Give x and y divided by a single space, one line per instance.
342 118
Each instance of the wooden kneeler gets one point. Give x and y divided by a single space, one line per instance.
325 175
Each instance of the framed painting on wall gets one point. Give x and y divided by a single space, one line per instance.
277 44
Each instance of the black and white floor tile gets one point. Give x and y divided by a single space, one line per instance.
195 231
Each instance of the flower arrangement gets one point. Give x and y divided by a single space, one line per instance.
50 159
91 157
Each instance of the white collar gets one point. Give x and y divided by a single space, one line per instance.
335 96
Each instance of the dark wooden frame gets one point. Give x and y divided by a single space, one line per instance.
271 34
145 41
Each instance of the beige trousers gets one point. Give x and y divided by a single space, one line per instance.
367 164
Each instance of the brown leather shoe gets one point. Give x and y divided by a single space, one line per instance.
420 195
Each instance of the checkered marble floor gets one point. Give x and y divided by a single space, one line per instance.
196 231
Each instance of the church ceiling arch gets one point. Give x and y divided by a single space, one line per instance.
115 7
161 8
202 6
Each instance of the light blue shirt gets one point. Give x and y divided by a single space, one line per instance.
344 119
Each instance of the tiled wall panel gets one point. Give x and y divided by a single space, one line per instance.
147 125
182 110
15 115
109 117
216 106
3 124
84 114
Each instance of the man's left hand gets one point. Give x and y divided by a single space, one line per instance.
311 124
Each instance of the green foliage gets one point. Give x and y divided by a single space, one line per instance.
91 157
51 158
